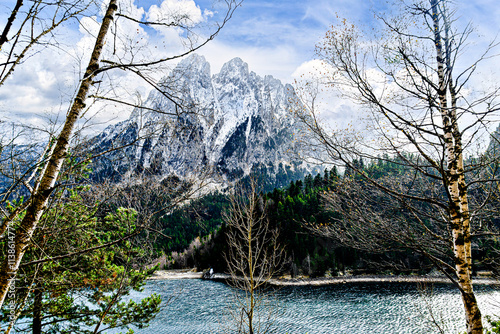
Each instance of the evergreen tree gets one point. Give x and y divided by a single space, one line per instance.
76 278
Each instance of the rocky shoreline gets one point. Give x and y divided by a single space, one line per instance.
322 281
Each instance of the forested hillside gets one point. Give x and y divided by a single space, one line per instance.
304 218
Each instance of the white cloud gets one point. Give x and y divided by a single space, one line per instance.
89 26
315 83
184 12
313 70
178 13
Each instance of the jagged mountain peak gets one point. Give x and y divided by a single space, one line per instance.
193 58
235 68
194 63
234 120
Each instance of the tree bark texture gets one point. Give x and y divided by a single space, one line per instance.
456 186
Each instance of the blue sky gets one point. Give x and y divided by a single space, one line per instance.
276 37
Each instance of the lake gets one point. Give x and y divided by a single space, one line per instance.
198 307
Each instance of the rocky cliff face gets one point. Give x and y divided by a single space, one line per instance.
229 122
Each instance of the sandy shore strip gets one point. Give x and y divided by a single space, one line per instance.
321 281
176 274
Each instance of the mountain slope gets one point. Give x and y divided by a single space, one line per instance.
229 122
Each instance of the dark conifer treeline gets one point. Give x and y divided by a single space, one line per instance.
295 210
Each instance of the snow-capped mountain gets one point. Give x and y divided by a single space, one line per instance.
229 122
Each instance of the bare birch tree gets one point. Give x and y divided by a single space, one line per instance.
421 97
98 69
254 256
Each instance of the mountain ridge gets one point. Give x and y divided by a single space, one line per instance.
230 122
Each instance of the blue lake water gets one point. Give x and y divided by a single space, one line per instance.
199 307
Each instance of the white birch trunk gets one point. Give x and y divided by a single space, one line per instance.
455 179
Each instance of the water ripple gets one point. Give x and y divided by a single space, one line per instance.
202 307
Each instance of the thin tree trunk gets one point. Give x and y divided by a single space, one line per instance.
37 311
40 198
458 203
251 265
